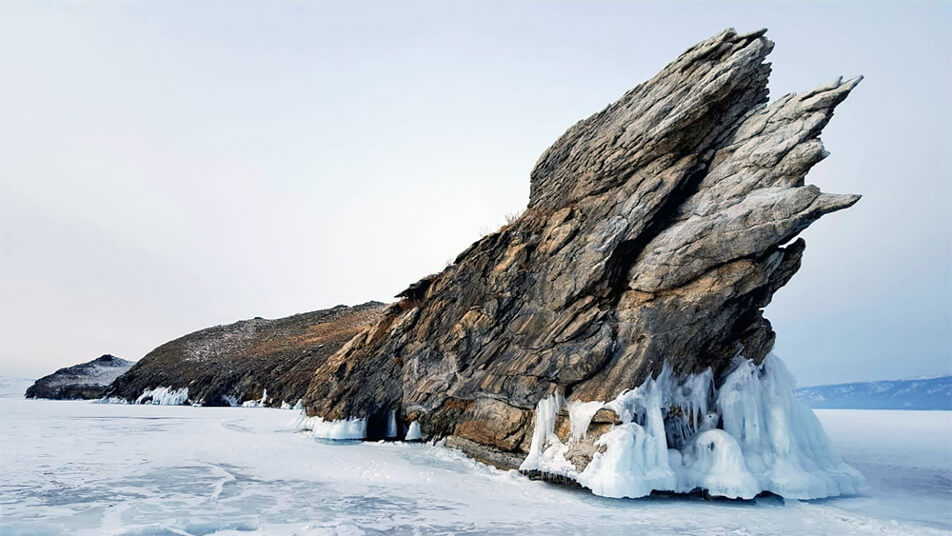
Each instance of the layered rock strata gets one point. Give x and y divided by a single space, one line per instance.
656 232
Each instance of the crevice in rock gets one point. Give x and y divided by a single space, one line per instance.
614 281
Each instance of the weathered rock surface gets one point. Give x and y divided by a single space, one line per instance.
656 232
238 362
87 380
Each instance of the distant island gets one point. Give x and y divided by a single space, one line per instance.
924 393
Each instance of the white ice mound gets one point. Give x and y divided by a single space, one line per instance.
714 462
340 429
164 396
681 434
783 443
635 461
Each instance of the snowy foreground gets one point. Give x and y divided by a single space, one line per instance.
84 468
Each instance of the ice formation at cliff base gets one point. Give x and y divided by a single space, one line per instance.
748 436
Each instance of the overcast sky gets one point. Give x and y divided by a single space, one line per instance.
168 166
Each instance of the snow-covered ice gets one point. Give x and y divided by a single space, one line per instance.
81 468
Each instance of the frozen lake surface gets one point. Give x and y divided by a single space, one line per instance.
84 468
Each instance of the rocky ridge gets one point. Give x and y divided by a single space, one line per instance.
84 381
656 232
270 362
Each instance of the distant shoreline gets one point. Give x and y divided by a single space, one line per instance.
933 393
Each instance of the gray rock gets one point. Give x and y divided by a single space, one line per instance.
656 231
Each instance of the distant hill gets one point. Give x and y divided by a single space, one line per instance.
926 393
84 381
268 362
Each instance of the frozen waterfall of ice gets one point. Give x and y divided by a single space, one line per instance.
669 439
547 452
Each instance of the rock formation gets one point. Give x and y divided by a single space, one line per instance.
656 232
87 380
613 335
258 361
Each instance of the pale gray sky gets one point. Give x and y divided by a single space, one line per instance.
167 166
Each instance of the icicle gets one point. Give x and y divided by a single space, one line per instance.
546 410
580 416
392 424
769 442
414 433
111 400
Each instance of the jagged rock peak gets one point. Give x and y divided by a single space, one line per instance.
725 75
656 232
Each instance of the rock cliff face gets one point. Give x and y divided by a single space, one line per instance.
656 232
268 362
87 380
